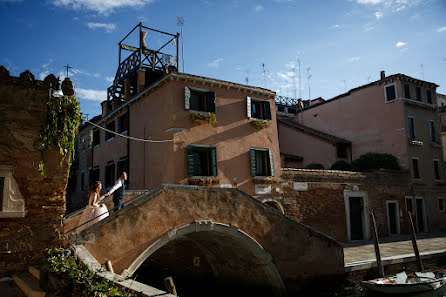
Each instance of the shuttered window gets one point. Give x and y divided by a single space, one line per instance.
110 174
110 126
202 161
261 162
199 100
390 93
429 96
258 109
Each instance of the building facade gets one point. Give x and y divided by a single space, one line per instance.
397 115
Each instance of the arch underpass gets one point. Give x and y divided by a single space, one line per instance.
241 239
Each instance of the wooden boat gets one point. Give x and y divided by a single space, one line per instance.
402 283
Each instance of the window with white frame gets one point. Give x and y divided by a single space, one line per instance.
415 168
196 99
436 169
258 109
390 92
261 162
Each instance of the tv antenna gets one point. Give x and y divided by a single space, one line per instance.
247 78
68 67
422 71
181 24
300 86
294 81
308 78
264 74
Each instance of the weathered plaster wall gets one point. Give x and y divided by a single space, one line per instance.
23 114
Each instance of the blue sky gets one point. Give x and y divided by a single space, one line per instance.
342 44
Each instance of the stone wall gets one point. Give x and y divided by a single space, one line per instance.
317 197
30 200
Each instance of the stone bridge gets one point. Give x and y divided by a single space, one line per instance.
241 238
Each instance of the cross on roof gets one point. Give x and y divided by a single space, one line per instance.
68 67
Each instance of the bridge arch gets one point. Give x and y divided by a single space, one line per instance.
232 254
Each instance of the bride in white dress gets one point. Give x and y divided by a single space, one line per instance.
93 211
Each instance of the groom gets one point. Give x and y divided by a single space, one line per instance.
119 192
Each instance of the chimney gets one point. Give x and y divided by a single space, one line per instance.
383 74
300 104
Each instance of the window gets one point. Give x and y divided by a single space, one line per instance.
341 151
407 91
82 181
416 172
261 162
418 90
199 100
96 136
390 93
258 109
441 204
432 132
409 205
123 166
123 123
201 161
411 128
429 96
109 174
93 176
110 126
437 169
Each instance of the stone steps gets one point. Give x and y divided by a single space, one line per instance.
28 282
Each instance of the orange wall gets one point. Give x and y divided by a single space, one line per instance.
365 119
232 135
313 149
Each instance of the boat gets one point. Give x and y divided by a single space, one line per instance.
403 283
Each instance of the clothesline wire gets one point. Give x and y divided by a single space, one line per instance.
128 137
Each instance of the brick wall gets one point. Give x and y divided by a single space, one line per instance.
23 112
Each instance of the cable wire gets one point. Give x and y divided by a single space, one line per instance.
128 137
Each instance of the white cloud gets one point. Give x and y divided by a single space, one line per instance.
378 15
93 95
372 2
100 6
400 8
109 79
400 44
442 29
355 59
107 27
368 27
215 63
43 74
258 8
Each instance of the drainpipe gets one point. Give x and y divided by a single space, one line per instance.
128 144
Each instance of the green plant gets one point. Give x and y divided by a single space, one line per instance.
341 165
372 161
210 117
63 119
315 166
204 181
259 124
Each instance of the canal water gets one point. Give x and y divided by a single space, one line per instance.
363 293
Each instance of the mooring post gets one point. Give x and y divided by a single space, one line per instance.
414 242
379 264
170 286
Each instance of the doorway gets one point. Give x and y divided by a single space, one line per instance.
356 218
420 214
393 222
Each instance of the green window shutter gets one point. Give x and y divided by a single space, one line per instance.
248 106
190 160
211 101
186 97
214 161
267 110
252 155
271 163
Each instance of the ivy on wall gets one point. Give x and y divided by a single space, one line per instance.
63 119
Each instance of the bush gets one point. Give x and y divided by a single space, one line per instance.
315 166
372 161
341 165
